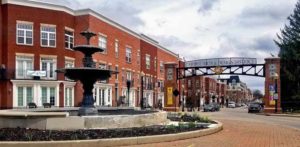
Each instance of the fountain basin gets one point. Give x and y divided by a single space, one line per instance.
55 120
88 49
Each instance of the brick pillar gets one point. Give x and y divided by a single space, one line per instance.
171 103
272 73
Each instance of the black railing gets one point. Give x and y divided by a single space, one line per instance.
23 74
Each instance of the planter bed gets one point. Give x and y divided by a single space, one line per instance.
23 134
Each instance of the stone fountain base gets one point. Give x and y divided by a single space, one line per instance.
62 121
87 111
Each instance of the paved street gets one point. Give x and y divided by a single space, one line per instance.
243 129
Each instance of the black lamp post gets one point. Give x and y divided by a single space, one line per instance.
128 83
142 92
199 98
276 91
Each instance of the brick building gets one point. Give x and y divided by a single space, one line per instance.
237 90
203 90
34 46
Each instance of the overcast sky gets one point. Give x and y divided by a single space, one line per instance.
200 29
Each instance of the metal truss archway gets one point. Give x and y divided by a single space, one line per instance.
221 66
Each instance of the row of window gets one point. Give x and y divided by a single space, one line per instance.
48 95
24 36
24 66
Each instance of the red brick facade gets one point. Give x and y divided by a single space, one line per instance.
39 14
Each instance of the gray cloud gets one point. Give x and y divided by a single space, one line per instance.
123 12
173 43
206 6
118 10
264 15
263 43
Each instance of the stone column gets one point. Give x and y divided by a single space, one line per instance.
272 75
171 103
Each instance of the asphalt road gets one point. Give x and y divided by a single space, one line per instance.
241 129
243 115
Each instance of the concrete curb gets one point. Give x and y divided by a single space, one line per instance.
279 115
118 141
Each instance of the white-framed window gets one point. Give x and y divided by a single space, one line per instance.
147 61
69 39
117 48
102 66
48 36
23 64
128 55
69 100
108 95
24 95
138 57
197 83
155 63
161 65
68 64
189 83
128 75
102 43
48 64
24 33
48 95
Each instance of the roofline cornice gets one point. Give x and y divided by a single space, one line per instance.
91 12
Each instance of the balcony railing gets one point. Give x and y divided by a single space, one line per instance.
30 74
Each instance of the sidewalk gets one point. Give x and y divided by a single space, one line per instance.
280 114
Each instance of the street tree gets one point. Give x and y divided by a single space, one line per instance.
257 94
288 40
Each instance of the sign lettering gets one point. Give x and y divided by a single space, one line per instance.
38 73
220 62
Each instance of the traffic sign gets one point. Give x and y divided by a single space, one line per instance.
175 92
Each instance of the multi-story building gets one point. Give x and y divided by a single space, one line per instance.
34 46
210 90
237 91
203 90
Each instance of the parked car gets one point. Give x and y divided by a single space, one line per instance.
238 105
231 105
208 108
216 106
254 107
211 107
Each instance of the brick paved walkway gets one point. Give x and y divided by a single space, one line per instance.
241 134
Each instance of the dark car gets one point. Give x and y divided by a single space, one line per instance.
254 107
211 107
216 106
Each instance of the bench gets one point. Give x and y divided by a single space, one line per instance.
47 105
32 105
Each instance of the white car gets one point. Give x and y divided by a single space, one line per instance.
231 105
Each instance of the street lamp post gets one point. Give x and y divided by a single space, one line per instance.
199 97
142 92
128 83
276 91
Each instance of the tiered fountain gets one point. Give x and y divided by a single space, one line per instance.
68 119
87 75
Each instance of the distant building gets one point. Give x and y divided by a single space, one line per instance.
237 90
